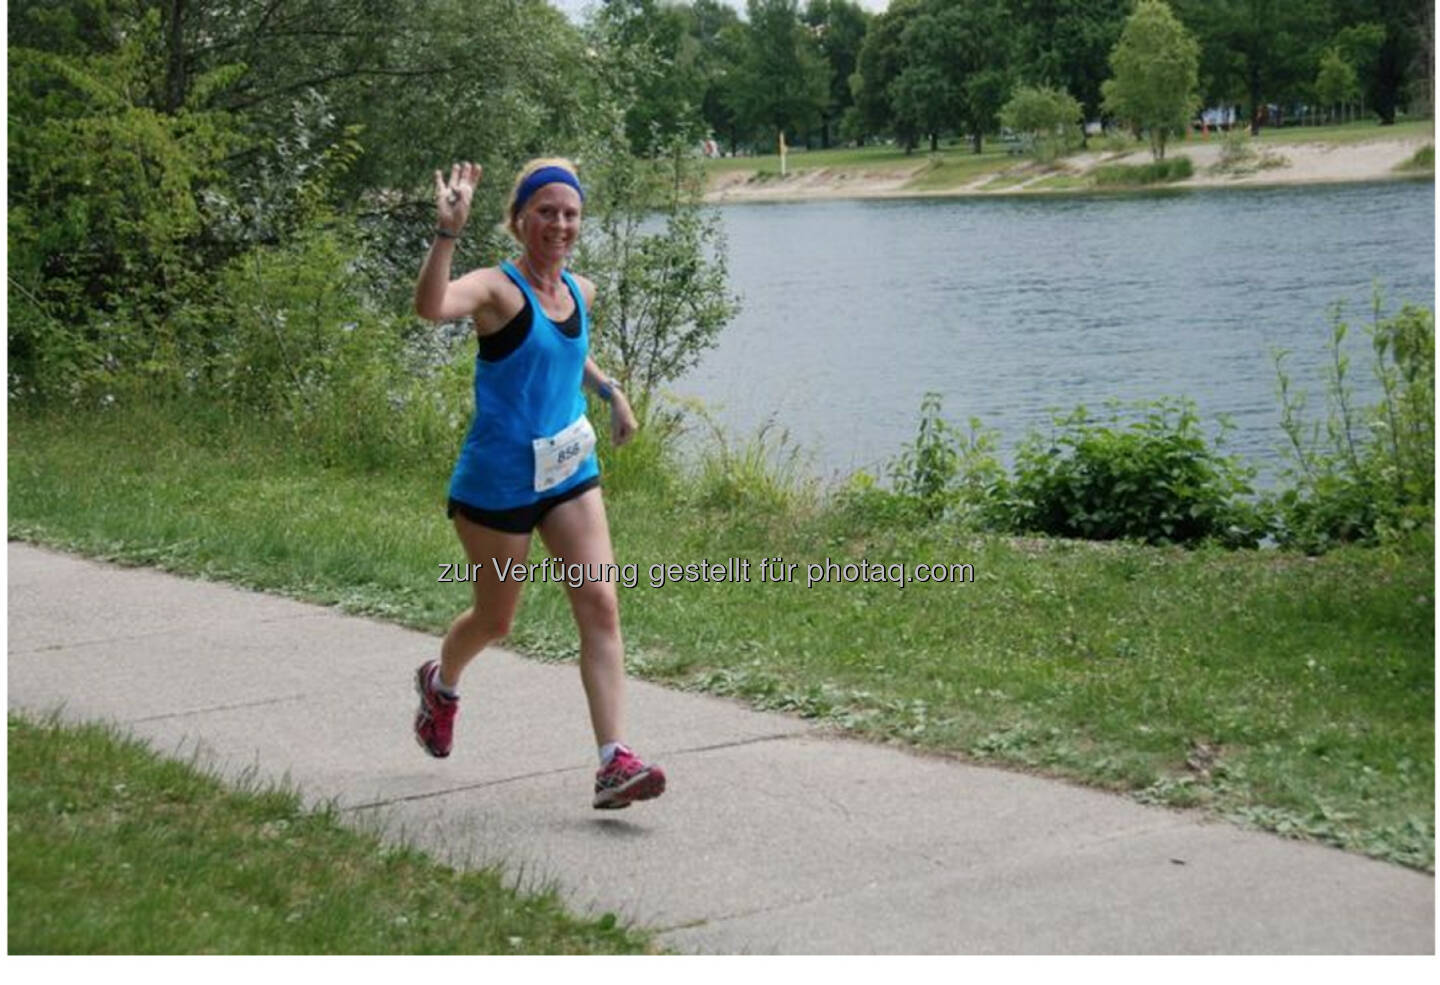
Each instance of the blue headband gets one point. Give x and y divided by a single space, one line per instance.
542 177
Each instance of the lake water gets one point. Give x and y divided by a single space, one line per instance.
1013 307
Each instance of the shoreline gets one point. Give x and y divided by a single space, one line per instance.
1292 164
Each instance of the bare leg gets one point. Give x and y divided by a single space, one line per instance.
578 532
489 618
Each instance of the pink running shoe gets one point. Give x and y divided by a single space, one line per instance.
625 780
435 721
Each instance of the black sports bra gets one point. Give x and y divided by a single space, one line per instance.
497 345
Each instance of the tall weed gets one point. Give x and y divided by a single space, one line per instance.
763 473
944 473
1364 474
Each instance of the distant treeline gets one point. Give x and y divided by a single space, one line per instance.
827 71
223 197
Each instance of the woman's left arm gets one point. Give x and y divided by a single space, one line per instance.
623 424
622 419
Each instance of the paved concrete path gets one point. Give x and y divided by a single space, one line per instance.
773 837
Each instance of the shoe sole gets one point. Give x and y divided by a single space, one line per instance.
423 714
646 786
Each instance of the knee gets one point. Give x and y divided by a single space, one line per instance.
491 624
597 609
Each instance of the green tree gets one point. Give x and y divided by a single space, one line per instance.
1360 45
925 97
1050 117
839 28
666 76
1261 50
721 38
107 203
1064 43
1337 82
662 295
970 44
879 64
1404 58
784 84
1155 74
657 256
153 144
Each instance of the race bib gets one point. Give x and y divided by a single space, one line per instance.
558 456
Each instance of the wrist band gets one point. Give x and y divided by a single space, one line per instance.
444 233
605 389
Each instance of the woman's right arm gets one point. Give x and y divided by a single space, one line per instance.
437 297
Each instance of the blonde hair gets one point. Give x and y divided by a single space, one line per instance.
530 168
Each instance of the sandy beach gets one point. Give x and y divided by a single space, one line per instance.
1284 164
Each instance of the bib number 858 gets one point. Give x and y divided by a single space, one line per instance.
558 456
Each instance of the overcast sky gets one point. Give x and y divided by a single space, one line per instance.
576 8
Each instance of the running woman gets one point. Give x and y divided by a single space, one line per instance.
528 462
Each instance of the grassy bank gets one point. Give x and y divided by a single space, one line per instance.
114 850
955 166
1291 693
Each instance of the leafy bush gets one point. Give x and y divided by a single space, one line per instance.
657 258
1371 476
1118 140
105 220
1238 155
1050 117
289 335
1157 479
862 503
1156 172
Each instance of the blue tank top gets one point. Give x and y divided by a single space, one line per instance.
532 392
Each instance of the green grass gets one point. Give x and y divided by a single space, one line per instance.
1063 182
1422 160
949 167
958 167
114 850
1291 693
1153 173
1362 131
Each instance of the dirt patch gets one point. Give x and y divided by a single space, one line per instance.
810 183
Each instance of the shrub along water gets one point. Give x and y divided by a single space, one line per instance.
1154 173
1156 479
1364 474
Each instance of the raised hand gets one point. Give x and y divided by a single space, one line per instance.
452 198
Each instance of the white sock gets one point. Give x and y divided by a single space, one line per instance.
439 684
607 752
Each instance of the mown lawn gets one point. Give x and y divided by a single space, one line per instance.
114 850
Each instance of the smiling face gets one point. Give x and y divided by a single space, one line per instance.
549 225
